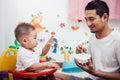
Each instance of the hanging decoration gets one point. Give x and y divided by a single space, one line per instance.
55 45
66 51
36 21
74 28
79 20
62 25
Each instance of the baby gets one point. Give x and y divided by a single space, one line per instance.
28 54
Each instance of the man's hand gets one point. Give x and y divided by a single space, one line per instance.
88 67
80 49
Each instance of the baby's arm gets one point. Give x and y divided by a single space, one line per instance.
41 66
46 48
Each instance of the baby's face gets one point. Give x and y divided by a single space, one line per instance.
32 39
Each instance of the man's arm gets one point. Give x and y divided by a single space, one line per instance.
88 67
108 75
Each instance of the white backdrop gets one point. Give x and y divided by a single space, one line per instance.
54 12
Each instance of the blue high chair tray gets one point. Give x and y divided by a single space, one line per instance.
70 67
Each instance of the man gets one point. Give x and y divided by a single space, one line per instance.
104 46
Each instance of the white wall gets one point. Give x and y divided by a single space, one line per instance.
8 20
14 11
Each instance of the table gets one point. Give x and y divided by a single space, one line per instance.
78 74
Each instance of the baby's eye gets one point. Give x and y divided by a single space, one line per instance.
34 37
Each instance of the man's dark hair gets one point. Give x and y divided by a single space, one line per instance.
23 29
100 6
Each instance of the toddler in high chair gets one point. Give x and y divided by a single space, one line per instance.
28 55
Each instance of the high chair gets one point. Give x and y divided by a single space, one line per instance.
8 66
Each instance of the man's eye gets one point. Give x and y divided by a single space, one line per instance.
91 19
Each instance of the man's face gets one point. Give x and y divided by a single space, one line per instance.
94 21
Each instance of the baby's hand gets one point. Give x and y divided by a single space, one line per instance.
50 41
48 58
51 65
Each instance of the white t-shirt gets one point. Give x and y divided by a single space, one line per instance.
105 53
26 58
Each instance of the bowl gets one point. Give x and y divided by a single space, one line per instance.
82 57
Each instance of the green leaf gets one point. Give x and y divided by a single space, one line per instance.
11 46
16 43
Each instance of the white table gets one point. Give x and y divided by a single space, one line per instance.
78 74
